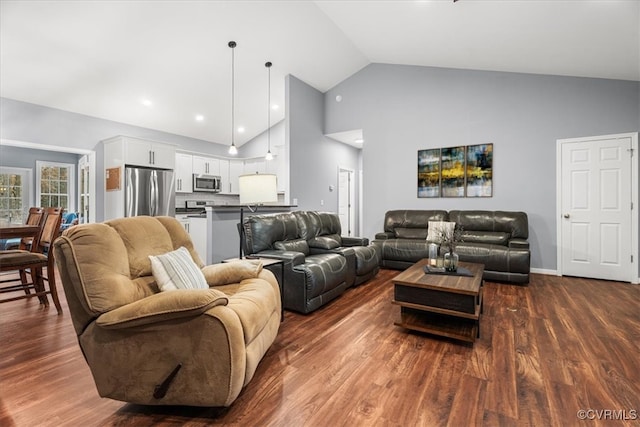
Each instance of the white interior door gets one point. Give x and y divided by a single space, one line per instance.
346 201
596 193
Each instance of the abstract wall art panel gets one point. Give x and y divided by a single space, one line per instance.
429 173
452 171
479 170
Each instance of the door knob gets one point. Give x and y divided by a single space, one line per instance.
567 215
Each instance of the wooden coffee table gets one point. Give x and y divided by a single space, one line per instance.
444 305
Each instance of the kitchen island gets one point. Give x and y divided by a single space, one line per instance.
214 228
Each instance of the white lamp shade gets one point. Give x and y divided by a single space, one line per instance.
257 188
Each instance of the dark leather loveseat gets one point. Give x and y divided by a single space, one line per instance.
497 239
320 264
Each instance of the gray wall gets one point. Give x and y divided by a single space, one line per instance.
26 158
403 109
314 158
21 121
257 146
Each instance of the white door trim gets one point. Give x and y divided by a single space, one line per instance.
360 205
633 274
90 160
352 199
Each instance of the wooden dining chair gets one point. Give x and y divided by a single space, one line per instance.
34 217
35 260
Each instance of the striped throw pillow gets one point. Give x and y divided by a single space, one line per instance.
177 270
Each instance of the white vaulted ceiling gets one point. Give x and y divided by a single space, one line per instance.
102 58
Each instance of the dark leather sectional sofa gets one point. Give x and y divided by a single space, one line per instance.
320 264
497 239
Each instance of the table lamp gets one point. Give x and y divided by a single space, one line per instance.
255 189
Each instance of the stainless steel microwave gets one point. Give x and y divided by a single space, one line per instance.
206 183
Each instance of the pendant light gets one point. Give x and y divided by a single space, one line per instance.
269 156
232 149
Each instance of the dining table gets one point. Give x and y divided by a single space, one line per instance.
12 231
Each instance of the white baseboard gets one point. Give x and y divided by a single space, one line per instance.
544 271
555 273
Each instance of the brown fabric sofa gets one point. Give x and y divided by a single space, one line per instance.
196 347
497 239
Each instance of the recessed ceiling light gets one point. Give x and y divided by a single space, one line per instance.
275 106
199 117
359 140
240 129
146 102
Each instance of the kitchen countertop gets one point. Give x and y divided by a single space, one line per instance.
196 212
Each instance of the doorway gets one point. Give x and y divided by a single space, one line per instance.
597 196
346 201
86 186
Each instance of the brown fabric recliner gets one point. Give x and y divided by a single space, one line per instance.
195 347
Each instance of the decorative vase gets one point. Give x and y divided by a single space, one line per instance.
451 261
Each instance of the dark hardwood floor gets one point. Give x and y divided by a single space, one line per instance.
546 352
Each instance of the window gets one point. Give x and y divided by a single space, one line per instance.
14 194
55 186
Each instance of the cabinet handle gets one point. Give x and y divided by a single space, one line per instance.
153 155
150 158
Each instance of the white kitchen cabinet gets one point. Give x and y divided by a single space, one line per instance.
277 166
140 152
197 229
225 188
236 168
206 165
199 236
184 174
123 151
256 165
228 170
184 221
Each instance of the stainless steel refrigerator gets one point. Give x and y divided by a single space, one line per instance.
149 192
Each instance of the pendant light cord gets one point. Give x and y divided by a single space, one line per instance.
268 65
232 45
